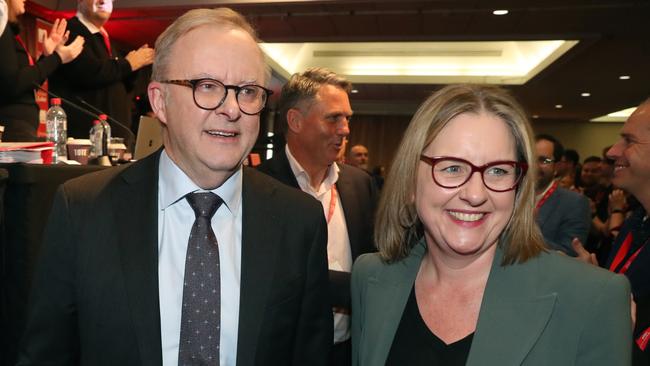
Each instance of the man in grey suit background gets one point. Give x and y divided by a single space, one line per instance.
136 270
561 214
315 111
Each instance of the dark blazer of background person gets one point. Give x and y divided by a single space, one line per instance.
565 215
98 79
96 288
358 198
546 311
18 109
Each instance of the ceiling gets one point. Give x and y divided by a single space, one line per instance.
613 40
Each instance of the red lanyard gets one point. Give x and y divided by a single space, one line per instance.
643 339
330 212
548 194
107 41
622 253
29 57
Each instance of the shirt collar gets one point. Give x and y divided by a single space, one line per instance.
175 185
91 27
539 196
331 176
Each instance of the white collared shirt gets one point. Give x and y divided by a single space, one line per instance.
175 220
339 254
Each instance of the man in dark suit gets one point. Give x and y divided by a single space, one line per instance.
100 75
315 112
562 215
136 270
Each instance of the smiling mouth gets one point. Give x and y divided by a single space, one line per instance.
468 217
221 133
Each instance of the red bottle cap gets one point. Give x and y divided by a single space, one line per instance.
55 101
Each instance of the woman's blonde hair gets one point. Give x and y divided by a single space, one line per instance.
398 226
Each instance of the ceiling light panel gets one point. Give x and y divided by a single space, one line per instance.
506 62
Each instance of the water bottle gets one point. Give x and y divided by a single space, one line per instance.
100 137
56 127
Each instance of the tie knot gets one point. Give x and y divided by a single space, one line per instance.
204 204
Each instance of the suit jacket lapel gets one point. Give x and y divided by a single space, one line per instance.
280 164
391 287
350 207
257 261
513 314
137 239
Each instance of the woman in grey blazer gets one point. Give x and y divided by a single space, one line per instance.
462 275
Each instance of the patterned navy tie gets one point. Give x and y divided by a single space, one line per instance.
200 320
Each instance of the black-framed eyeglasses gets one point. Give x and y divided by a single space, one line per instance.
497 176
209 94
543 160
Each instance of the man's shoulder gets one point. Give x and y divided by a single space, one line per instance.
76 27
353 171
569 196
261 180
95 183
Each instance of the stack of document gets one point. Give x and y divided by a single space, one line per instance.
26 152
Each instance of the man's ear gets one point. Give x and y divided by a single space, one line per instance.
294 120
156 93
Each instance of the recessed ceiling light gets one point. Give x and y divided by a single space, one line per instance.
558 106
585 94
354 91
500 12
535 116
624 77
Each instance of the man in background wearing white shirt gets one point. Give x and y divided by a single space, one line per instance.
315 112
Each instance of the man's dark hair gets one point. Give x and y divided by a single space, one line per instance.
558 150
303 87
572 156
592 159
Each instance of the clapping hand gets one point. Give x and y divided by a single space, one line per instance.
141 57
58 35
71 51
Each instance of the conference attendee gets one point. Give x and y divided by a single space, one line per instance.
590 175
101 76
629 254
561 214
462 276
359 157
186 257
316 113
20 72
567 169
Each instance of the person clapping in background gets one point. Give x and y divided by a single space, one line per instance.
19 72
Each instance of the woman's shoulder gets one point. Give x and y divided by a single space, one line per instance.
570 273
367 264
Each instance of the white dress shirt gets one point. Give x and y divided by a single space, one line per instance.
175 220
339 254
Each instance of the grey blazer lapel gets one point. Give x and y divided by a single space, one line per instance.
391 288
513 314
136 223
